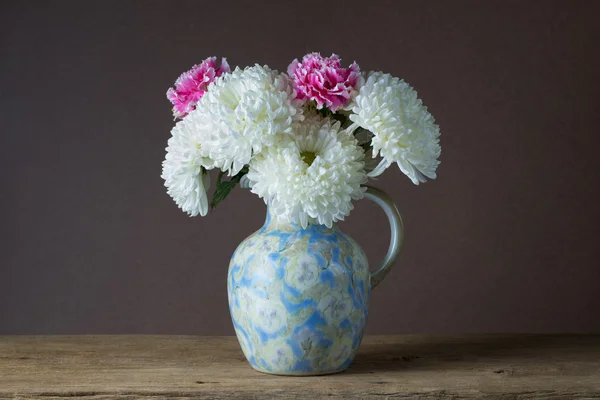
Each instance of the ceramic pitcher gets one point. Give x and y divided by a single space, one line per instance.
299 297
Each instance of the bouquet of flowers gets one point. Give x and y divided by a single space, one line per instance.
305 142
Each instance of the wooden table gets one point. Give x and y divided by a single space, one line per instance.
424 367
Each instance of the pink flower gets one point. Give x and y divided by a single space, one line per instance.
192 85
323 80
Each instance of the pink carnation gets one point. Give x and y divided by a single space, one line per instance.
323 80
191 85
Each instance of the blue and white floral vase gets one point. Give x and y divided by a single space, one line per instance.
299 297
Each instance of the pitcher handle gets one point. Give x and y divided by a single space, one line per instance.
397 232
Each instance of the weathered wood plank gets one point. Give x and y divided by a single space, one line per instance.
424 367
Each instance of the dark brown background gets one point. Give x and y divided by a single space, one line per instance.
506 239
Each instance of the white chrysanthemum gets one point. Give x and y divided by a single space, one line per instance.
311 176
184 169
404 131
242 112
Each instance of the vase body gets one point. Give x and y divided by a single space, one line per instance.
298 298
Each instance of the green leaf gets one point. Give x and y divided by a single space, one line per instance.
221 174
364 138
224 187
343 116
366 146
325 112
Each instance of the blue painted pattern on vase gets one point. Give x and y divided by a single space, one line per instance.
298 298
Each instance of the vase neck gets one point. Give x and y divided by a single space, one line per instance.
274 222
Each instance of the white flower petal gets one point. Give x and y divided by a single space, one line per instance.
404 131
184 169
242 112
317 191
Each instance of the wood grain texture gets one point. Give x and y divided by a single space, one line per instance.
424 367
